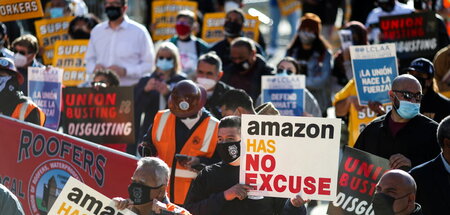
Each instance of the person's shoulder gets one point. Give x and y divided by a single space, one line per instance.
136 26
424 120
402 8
425 167
99 27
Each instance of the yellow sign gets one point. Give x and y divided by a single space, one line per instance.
49 31
213 27
69 55
164 15
11 10
287 7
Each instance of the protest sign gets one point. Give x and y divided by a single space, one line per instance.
44 87
213 30
164 15
69 55
282 156
287 7
48 31
37 162
101 116
359 173
414 34
78 198
374 69
286 93
345 36
11 10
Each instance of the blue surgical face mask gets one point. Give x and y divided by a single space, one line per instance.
408 110
56 12
164 64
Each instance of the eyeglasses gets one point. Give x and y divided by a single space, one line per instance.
162 58
409 95
288 71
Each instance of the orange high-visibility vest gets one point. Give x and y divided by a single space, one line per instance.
24 109
201 143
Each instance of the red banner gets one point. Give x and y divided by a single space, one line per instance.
37 162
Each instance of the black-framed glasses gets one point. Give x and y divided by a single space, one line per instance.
288 71
162 58
410 95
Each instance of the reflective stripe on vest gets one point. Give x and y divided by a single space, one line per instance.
23 110
209 134
183 173
162 124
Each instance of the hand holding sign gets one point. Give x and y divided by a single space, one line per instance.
399 161
122 203
237 191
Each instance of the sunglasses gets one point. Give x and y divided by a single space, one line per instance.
162 58
409 95
21 52
98 84
288 71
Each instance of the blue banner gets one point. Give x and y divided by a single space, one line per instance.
289 102
47 95
374 78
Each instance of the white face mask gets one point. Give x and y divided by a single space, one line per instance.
306 37
20 60
207 83
190 122
230 5
3 80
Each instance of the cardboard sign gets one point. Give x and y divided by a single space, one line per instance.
48 31
213 30
37 162
359 173
414 35
282 156
69 54
44 87
11 10
287 7
374 69
164 15
78 198
286 93
101 116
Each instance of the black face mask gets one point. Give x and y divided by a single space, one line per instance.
140 194
229 151
80 34
242 66
384 204
113 13
232 29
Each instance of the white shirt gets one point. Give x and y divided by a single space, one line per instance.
128 46
376 13
188 57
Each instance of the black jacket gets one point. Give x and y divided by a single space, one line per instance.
435 106
417 140
433 186
213 102
206 196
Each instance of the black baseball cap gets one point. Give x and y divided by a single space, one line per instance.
422 65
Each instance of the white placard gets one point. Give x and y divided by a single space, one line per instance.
78 198
282 156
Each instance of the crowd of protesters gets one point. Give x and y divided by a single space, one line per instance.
189 96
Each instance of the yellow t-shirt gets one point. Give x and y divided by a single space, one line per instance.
357 120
